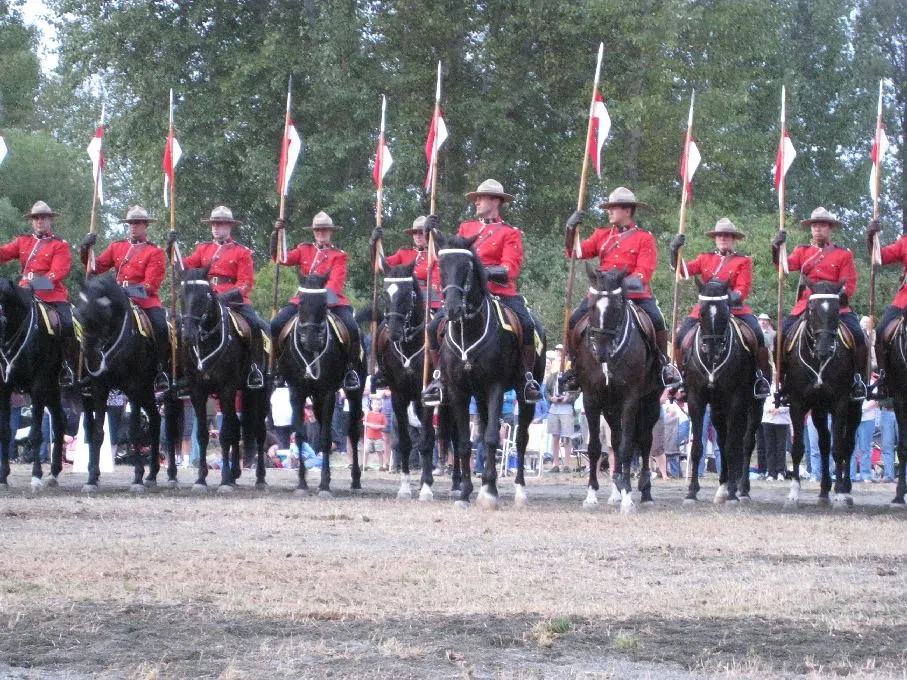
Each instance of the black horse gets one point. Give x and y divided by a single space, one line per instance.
818 368
313 360
400 351
719 370
216 361
481 358
619 371
894 344
30 360
119 354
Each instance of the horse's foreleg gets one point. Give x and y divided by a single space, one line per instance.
527 413
135 448
229 436
35 435
324 405
426 447
697 414
5 436
154 425
727 482
754 418
900 410
626 448
594 453
297 400
492 437
260 431
173 409
96 436
460 416
820 422
355 436
649 412
199 400
399 403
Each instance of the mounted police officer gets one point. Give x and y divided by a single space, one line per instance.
232 277
499 246
323 258
417 255
140 267
736 270
624 245
823 260
45 262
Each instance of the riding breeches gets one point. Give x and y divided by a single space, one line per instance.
158 319
280 320
849 319
248 312
890 314
647 304
65 312
517 304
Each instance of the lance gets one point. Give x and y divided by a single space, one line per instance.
684 197
379 209
90 261
284 162
429 265
876 254
780 171
171 139
580 202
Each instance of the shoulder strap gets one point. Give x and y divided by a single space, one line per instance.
133 249
605 251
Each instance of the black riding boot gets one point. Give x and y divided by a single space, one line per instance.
351 381
762 389
879 390
433 394
71 354
532 391
255 380
858 389
670 376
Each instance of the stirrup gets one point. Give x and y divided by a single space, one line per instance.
256 379
433 394
161 381
761 389
531 384
351 381
67 377
858 391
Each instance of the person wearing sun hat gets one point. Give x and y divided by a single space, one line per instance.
417 255
231 273
896 253
499 246
45 261
726 264
140 268
321 257
824 260
624 245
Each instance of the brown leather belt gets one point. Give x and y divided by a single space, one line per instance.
216 280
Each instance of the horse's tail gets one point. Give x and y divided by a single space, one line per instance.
364 316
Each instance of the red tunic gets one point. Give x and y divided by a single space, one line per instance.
406 256
897 252
136 264
632 249
329 260
737 272
230 266
498 244
48 256
835 264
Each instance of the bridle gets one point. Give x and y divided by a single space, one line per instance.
466 288
596 332
812 337
218 325
721 343
411 331
313 367
25 330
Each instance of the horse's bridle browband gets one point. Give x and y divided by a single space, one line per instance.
311 291
203 334
455 251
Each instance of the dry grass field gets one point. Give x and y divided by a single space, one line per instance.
272 585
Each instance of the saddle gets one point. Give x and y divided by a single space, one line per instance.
889 332
50 317
142 322
844 334
510 322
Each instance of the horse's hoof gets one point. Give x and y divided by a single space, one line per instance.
52 482
823 502
356 491
745 500
261 486
225 489
520 499
648 503
173 484
486 501
151 483
136 488
298 491
614 498
426 495
843 502
628 508
735 502
461 505
36 484
324 493
590 505
898 504
89 488
719 500
199 488
690 501
791 504
404 495
4 486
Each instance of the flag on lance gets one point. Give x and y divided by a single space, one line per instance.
290 149
96 154
172 154
601 126
3 149
383 158
691 157
879 147
437 135
785 156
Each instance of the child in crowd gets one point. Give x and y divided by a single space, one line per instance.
375 422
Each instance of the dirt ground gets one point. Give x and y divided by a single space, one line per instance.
169 584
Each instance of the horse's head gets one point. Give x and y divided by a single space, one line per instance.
463 279
823 313
14 302
402 301
607 308
102 304
198 301
714 315
312 312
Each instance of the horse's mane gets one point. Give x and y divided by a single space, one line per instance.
611 279
714 288
196 274
825 287
479 268
106 286
313 280
9 289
